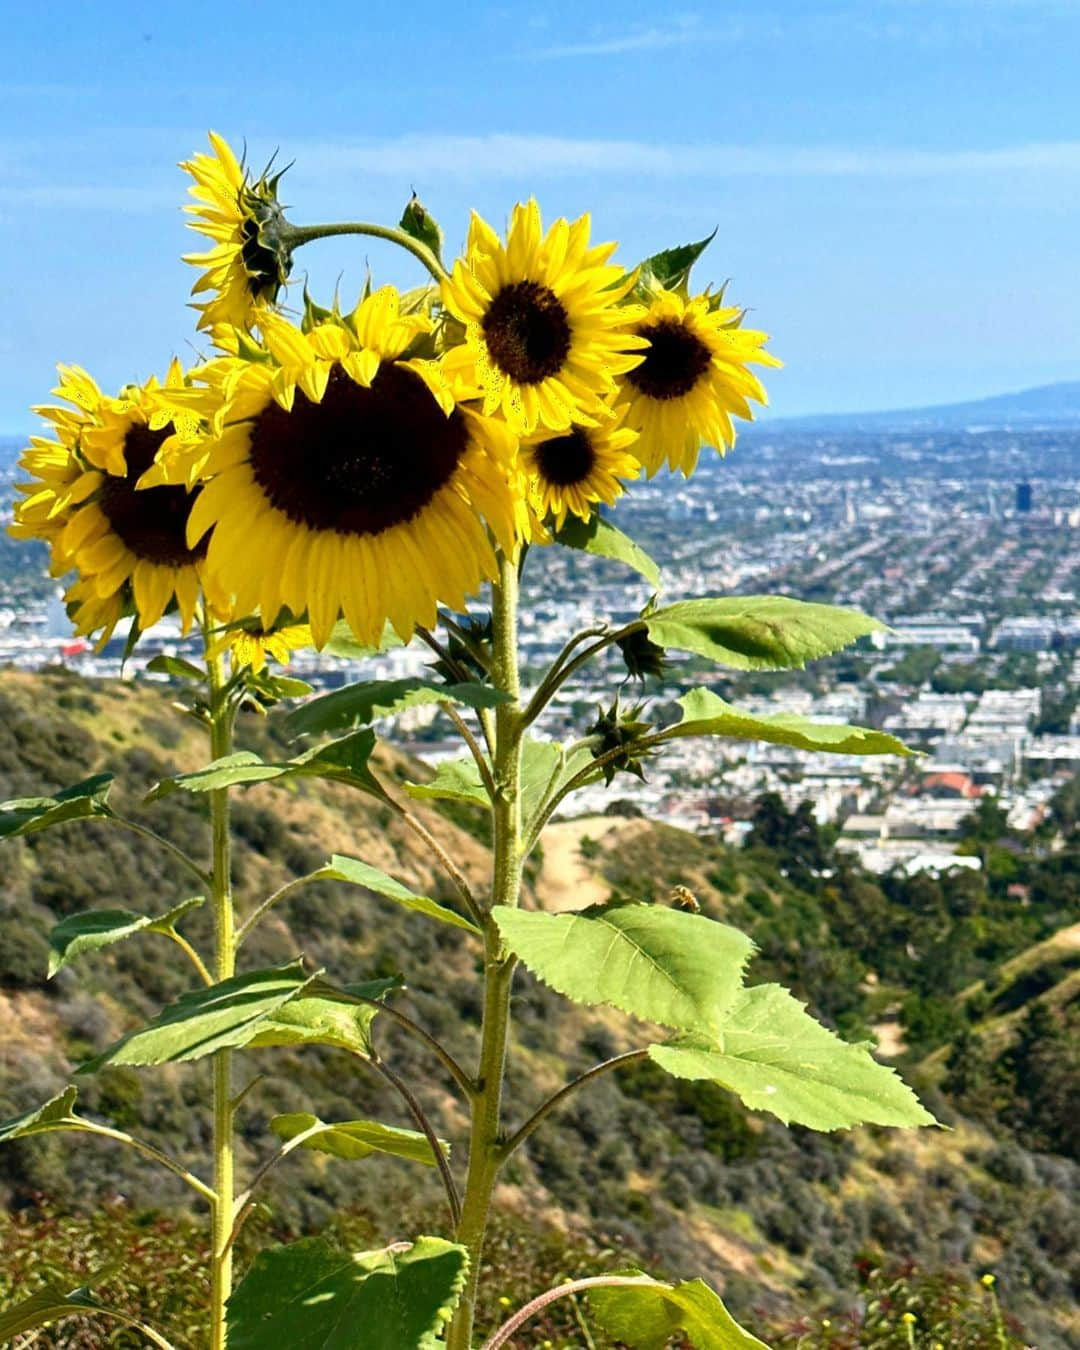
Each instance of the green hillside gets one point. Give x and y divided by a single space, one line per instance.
675 1172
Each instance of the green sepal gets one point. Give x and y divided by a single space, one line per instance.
311 1296
600 538
27 815
669 270
354 1139
418 223
96 928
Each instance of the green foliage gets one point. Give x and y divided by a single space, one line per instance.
771 1053
46 1306
670 269
358 704
344 760
757 632
56 1114
310 1297
97 928
225 1015
662 965
418 222
27 815
706 714
646 1317
362 874
353 1139
599 537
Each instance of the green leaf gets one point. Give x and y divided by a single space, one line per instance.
46 1306
599 537
758 632
671 267
777 1058
418 223
706 714
272 685
455 780
27 815
354 1139
97 928
344 761
58 1113
177 667
646 1317
343 643
325 1015
662 965
308 1296
544 768
362 874
358 704
226 1015
242 768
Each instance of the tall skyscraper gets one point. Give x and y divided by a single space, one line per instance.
1023 498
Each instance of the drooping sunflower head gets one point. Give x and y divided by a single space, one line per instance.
572 472
344 479
694 377
250 259
127 543
545 336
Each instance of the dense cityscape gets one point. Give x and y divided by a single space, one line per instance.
966 544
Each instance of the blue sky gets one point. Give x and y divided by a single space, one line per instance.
896 184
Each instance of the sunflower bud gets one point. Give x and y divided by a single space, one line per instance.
641 655
621 731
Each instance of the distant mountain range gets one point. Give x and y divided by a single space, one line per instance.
1050 405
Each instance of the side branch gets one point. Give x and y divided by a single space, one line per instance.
419 1116
541 1301
553 1103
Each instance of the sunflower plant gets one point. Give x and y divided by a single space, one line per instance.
385 473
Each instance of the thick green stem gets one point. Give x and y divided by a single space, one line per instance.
221 717
296 235
485 1140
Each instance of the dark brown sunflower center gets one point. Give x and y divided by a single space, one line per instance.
151 522
566 461
527 332
674 362
362 460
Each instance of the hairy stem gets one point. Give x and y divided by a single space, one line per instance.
297 235
562 1291
486 1126
221 719
419 1115
544 1110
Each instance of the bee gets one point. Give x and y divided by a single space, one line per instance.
683 898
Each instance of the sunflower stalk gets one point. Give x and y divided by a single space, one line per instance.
295 236
485 1136
222 712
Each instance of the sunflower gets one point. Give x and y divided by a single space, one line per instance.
694 377
573 471
127 544
251 258
343 477
545 335
251 644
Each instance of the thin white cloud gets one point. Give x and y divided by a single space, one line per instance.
641 40
514 156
